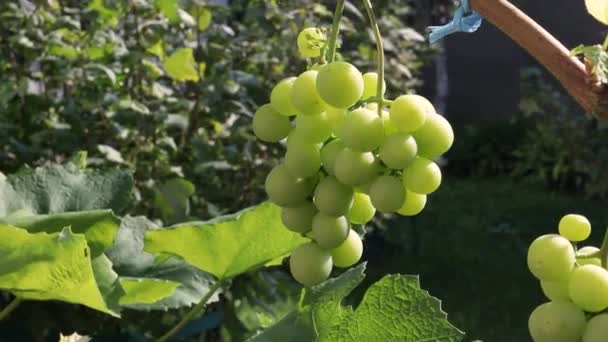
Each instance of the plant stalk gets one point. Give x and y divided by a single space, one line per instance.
379 53
10 308
604 251
335 30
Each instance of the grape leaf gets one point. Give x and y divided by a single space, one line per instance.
181 65
107 282
168 8
228 245
204 18
598 9
146 290
598 56
172 199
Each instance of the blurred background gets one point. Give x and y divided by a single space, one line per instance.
91 75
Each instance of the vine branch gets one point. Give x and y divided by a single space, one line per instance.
335 30
570 71
10 308
604 251
379 52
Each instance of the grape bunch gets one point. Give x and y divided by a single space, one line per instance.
344 158
574 281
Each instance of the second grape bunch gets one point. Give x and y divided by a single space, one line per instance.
343 161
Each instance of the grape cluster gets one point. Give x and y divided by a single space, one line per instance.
575 283
344 160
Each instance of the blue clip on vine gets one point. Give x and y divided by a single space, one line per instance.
465 20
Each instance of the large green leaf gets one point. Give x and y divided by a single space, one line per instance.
229 245
145 290
107 282
181 65
59 188
45 266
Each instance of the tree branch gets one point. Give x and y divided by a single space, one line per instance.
570 71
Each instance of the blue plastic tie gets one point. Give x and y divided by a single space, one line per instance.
465 20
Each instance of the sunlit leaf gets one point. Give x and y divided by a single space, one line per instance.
181 65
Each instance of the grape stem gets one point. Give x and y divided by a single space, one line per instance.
335 30
604 251
380 53
10 308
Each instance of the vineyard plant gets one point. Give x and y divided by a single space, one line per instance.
191 170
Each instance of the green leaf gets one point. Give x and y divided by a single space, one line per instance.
106 15
69 52
49 267
598 56
136 106
157 49
598 9
98 226
100 67
204 18
229 245
146 290
111 154
185 18
107 282
181 65
168 8
172 199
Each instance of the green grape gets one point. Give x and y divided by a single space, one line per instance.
551 258
597 329
365 188
310 264
336 119
370 85
349 252
362 130
304 94
269 125
310 41
581 254
285 190
413 205
398 150
332 197
362 210
387 194
422 176
329 153
355 168
409 112
556 291
340 84
329 231
314 128
296 138
557 322
574 227
303 160
588 288
435 137
389 128
299 219
280 97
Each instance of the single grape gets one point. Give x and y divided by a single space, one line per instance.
314 128
413 205
387 194
557 322
409 112
574 227
332 197
285 190
340 84
435 137
362 210
299 219
398 150
336 119
551 258
422 176
280 97
588 288
303 160
329 231
370 85
597 329
583 253
556 291
362 130
269 125
355 168
349 252
310 264
329 153
296 138
389 128
310 41
304 94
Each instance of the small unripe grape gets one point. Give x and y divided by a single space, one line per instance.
336 119
413 205
269 125
304 94
387 194
597 329
435 137
314 128
574 227
332 197
556 291
370 85
299 219
588 288
551 258
310 41
285 190
329 153
362 130
329 231
310 264
355 168
557 322
362 210
398 150
409 112
585 251
349 252
340 84
422 176
280 97
303 160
